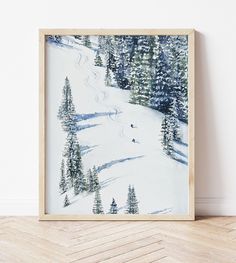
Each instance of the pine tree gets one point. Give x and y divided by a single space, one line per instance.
97 207
122 58
101 43
167 135
90 181
162 88
141 72
66 201
62 184
109 49
98 60
113 208
66 110
178 59
67 106
80 184
132 203
108 78
174 122
86 41
93 182
70 155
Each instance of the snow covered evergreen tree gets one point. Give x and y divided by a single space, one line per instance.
98 60
177 50
93 181
162 89
54 38
69 154
108 50
80 184
167 135
62 184
141 72
67 106
123 55
86 41
132 203
108 77
97 206
101 43
66 110
66 201
174 121
113 208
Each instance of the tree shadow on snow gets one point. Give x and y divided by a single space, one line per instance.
107 182
180 153
114 162
86 149
182 143
179 160
86 116
162 211
86 126
180 157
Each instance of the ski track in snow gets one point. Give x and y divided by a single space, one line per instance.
161 183
101 97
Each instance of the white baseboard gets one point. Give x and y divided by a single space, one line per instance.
213 206
206 206
18 207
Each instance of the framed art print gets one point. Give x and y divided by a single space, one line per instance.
116 124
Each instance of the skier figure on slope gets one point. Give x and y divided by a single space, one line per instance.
133 140
131 125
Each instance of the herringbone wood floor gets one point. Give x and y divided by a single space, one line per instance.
25 239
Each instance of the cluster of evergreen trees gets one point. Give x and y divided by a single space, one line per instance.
132 203
72 175
154 68
170 130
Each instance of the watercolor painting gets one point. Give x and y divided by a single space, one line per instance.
117 124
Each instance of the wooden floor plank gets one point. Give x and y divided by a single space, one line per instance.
208 240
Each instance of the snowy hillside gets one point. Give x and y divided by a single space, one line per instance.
105 136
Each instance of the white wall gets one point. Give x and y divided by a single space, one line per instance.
215 22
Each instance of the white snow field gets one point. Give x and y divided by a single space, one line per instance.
161 183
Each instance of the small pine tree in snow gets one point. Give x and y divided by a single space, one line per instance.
108 78
98 60
86 41
167 135
62 184
93 182
66 110
113 208
80 184
71 159
132 203
95 179
66 201
97 206
67 106
174 122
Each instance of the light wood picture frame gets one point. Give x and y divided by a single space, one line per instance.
65 57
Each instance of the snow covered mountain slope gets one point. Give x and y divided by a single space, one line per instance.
105 138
